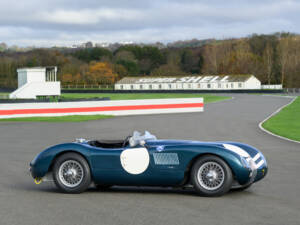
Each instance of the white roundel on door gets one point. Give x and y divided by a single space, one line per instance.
135 160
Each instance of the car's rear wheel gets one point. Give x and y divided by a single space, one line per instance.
211 176
71 173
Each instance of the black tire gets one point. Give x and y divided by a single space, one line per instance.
82 168
221 176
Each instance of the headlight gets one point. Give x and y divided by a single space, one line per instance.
246 162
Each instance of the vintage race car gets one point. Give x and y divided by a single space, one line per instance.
211 168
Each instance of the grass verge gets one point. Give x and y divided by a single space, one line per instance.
286 123
75 118
132 96
3 95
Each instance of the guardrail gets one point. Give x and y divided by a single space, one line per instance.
12 101
292 90
168 91
117 108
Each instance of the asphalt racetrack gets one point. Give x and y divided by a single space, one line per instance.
274 200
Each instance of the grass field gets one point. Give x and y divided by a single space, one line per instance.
118 96
287 122
3 95
208 98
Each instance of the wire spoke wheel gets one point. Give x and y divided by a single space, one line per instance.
71 173
211 175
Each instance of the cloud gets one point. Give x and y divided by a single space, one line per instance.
89 16
47 23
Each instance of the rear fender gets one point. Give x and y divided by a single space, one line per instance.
43 161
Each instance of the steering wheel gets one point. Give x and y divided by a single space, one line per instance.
126 140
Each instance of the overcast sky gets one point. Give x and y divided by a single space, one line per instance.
67 22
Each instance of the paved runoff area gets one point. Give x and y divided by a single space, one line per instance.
274 200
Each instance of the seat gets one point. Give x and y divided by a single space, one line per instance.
107 143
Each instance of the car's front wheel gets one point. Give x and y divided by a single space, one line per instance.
211 176
71 173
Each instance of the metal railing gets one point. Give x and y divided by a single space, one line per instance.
88 86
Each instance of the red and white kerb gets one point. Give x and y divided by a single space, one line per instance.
125 107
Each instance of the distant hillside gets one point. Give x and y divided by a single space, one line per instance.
273 59
189 43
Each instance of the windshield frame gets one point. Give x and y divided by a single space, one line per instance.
139 138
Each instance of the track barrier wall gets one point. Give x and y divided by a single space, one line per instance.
116 108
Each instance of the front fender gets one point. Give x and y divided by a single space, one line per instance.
40 165
241 174
191 153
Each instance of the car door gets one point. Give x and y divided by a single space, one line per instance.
140 165
165 165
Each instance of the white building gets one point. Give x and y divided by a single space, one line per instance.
206 82
36 81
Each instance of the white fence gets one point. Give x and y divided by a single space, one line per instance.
272 86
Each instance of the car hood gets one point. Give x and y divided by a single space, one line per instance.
239 148
180 142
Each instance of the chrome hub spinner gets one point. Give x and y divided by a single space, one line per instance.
211 176
70 173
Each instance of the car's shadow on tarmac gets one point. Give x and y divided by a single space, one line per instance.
161 190
51 189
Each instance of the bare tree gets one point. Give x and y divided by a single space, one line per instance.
283 49
268 60
210 65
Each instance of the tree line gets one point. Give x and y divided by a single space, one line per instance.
273 59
